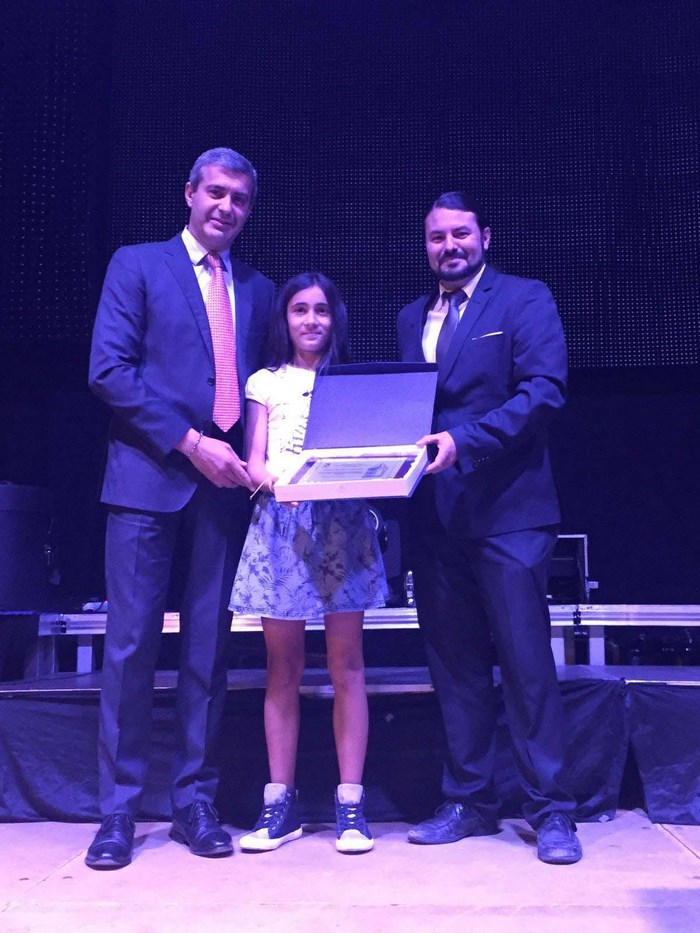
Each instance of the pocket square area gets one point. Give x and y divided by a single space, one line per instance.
494 333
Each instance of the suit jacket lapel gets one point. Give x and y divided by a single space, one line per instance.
475 308
416 325
244 311
180 265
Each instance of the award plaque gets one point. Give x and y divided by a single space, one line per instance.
364 421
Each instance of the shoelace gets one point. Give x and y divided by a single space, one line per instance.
451 807
203 810
116 823
270 813
350 816
559 822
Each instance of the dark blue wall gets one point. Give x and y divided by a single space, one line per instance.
576 122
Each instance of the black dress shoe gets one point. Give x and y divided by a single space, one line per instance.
557 842
197 826
113 842
452 821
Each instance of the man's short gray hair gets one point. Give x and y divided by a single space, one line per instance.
226 158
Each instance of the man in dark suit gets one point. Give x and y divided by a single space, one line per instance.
179 328
485 522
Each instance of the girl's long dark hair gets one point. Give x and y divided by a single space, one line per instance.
280 346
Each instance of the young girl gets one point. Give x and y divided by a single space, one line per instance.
306 560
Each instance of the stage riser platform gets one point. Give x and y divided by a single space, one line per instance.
43 632
48 752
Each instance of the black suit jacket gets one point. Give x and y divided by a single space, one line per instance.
152 362
502 380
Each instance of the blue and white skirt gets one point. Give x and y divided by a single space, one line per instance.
304 561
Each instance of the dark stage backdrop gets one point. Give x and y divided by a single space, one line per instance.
575 121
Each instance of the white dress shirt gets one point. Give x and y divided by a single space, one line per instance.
202 270
436 315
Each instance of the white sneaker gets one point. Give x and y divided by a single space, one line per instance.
278 823
352 832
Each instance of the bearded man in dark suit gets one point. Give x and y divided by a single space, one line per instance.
179 328
485 523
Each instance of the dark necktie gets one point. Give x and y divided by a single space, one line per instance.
449 325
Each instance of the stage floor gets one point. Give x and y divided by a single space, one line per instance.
635 876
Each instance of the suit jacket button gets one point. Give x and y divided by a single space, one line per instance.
211 380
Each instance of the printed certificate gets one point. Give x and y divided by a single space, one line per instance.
344 469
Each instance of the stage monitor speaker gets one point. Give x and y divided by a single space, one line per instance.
568 575
25 548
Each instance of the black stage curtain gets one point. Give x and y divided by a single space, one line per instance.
665 735
48 748
596 744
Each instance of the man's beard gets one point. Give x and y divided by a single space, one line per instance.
455 274
464 271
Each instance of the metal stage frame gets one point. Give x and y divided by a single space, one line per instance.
565 618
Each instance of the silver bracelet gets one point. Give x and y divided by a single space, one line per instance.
195 445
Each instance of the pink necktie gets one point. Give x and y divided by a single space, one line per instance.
227 400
